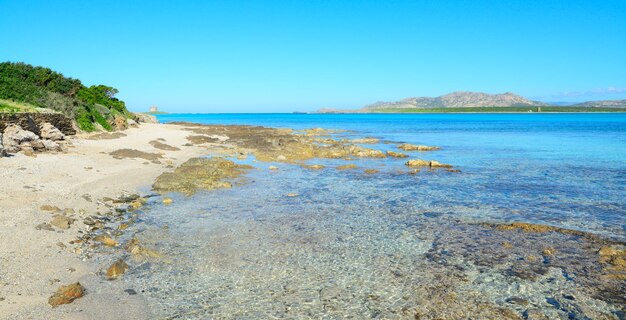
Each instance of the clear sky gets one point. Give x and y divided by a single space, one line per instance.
274 56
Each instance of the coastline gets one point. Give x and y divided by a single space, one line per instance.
35 262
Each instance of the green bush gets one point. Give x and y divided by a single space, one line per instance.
45 88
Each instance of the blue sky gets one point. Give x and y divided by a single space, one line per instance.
275 56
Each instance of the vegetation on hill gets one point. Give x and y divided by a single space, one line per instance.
498 110
38 87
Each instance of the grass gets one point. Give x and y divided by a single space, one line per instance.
9 106
498 110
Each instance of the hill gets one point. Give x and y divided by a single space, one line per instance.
459 99
24 87
603 104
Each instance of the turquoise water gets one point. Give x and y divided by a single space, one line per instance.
393 245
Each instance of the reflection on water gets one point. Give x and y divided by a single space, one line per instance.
394 245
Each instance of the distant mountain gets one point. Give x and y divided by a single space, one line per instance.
603 104
459 99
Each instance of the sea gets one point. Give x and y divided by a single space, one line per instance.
394 245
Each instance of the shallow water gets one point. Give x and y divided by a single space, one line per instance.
395 245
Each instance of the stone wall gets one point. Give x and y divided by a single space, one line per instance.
31 121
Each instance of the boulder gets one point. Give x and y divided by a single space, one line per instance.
119 123
145 118
61 222
50 132
51 145
67 294
426 163
15 138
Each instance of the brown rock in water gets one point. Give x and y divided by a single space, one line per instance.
549 251
199 173
138 250
67 294
397 154
160 145
117 269
426 163
167 201
106 240
367 140
370 171
413 147
347 167
61 222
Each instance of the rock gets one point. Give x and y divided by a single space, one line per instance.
167 201
61 222
117 269
347 167
426 163
397 154
47 207
119 123
51 145
292 195
132 123
106 240
370 171
145 118
15 138
413 147
67 294
366 140
136 249
273 168
549 251
50 132
199 173
163 146
130 292
44 226
417 163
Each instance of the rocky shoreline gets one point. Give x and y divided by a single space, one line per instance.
64 208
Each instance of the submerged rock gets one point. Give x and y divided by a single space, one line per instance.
199 173
366 140
347 167
67 294
138 250
314 166
413 147
370 171
397 154
117 269
106 240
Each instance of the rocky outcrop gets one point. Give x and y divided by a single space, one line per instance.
16 139
32 121
145 118
413 147
199 174
426 163
50 132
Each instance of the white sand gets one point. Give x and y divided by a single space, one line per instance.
30 258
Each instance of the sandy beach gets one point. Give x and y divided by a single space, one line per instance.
35 262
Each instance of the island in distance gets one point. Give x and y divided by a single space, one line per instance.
465 101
